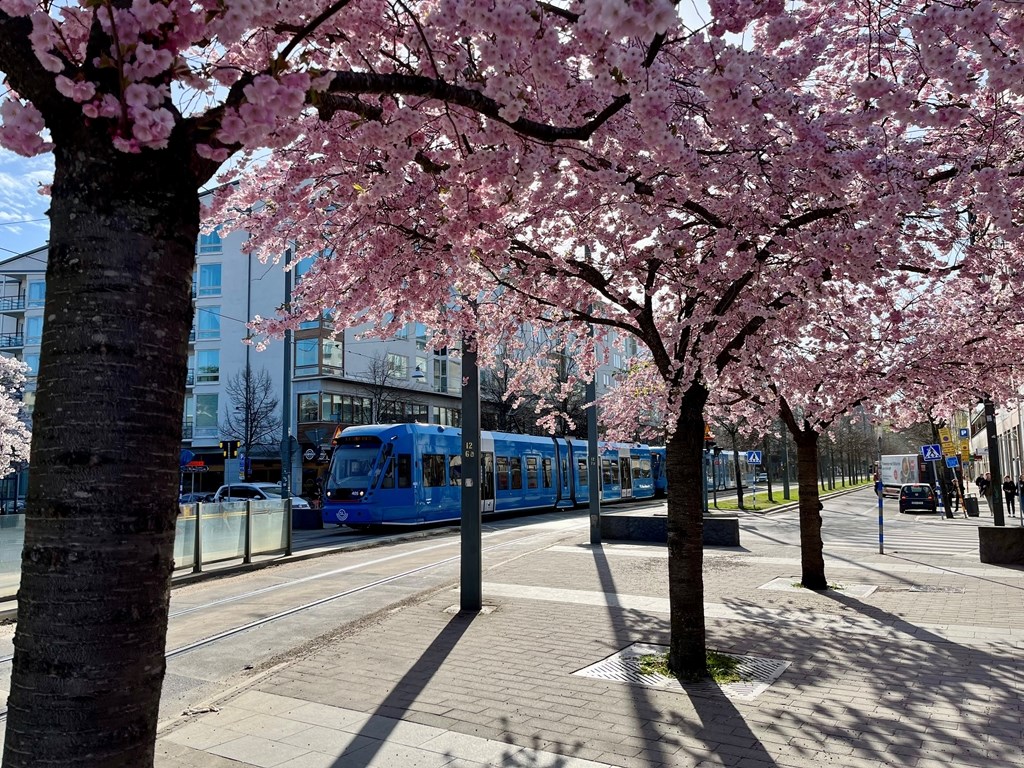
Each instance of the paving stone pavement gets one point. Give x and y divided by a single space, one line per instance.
899 677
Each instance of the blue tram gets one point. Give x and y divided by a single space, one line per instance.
409 474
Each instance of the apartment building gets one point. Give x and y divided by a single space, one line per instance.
334 377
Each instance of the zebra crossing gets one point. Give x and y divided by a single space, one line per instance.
908 535
851 525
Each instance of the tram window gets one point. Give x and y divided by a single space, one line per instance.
455 470
388 481
645 468
635 466
581 465
516 468
502 473
433 470
531 472
546 467
606 471
404 470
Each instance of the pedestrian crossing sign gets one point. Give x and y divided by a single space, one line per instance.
931 452
753 457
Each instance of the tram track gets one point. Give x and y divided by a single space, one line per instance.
340 595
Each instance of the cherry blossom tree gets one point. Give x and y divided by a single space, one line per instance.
843 145
14 431
141 103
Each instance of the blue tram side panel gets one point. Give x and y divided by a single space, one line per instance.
409 474
659 471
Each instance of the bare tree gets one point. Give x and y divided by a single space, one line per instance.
252 417
385 387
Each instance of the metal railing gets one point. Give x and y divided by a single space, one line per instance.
12 303
12 340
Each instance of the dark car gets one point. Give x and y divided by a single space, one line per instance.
194 498
917 497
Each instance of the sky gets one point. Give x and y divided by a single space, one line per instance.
23 222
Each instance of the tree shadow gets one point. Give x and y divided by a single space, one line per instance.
719 729
891 691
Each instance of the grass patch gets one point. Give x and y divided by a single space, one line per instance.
721 666
834 587
759 501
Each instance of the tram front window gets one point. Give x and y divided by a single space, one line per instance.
351 468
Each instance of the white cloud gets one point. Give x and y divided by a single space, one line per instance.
23 222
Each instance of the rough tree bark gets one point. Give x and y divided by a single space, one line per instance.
812 559
102 498
685 466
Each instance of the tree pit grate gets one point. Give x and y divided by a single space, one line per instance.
624 667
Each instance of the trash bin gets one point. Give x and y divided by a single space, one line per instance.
971 505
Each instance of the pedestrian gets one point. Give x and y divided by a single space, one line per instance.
1010 493
983 482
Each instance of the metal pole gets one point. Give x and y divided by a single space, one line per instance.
996 488
247 552
471 594
197 550
593 475
286 397
880 490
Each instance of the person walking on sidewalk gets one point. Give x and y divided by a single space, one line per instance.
1010 492
984 483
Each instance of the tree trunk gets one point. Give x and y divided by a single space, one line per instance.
812 561
102 499
684 458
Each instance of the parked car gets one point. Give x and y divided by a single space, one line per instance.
761 477
245 491
194 498
917 497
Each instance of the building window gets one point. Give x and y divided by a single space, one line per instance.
36 294
206 416
454 377
207 366
606 380
210 243
417 412
209 280
208 322
32 361
450 417
307 362
421 336
347 409
334 356
398 366
440 375
309 408
33 330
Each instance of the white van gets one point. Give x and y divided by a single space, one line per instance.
244 491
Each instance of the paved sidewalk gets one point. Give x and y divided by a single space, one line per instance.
926 669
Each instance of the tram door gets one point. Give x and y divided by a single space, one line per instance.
486 482
626 472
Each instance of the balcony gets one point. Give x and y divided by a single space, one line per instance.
186 431
190 380
12 304
11 340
